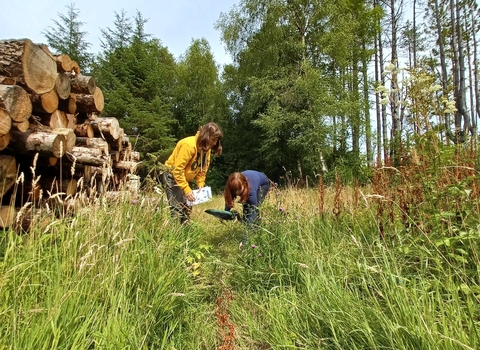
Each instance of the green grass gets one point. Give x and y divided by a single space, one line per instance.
124 276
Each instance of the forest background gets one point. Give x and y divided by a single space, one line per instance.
315 87
380 95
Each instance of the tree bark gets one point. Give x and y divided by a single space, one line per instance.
32 67
83 84
87 156
44 142
107 128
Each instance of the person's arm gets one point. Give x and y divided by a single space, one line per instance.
184 155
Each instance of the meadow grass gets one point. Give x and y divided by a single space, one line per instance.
124 275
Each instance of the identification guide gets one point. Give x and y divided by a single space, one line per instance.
202 195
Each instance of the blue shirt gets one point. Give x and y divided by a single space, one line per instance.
259 185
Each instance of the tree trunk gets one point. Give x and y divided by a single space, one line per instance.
16 101
29 64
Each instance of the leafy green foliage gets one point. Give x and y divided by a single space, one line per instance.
68 38
137 77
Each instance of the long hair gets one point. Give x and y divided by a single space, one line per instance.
207 132
237 186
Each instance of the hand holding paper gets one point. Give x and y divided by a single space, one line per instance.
202 195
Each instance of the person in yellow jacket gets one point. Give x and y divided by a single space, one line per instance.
190 161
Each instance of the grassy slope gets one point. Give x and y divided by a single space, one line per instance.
123 276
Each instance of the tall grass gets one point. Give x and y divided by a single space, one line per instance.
327 268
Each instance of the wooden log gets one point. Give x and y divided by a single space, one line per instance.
63 86
87 156
29 64
72 120
68 105
5 140
106 128
5 121
8 173
69 137
46 143
84 130
115 155
7 80
16 101
126 165
64 63
7 216
57 119
83 84
21 126
53 185
45 103
91 102
75 68
99 143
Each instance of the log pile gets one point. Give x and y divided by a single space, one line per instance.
53 139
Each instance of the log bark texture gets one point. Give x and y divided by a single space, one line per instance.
44 142
83 84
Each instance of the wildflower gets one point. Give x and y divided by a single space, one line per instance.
254 246
134 201
260 255
281 209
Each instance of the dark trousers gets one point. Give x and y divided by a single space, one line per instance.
176 198
251 212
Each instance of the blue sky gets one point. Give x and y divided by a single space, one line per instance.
174 22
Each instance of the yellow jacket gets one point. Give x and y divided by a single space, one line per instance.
187 164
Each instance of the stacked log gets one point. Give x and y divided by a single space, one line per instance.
52 133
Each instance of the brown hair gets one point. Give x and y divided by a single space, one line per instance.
208 132
237 185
